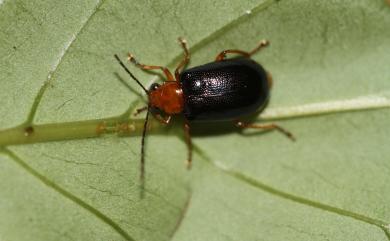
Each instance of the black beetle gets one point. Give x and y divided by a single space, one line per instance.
225 89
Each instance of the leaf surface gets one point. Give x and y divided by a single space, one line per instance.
331 89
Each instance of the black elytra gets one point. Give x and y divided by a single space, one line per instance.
224 90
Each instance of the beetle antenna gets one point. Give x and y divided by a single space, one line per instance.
143 146
131 74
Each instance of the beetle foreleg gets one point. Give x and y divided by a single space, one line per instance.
138 111
163 120
165 70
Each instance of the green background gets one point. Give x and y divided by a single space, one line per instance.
330 64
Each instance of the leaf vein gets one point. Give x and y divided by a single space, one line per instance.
67 194
56 65
295 198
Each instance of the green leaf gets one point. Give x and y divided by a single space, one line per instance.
60 84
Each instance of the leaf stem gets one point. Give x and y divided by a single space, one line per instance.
70 130
122 126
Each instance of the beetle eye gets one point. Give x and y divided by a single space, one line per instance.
154 86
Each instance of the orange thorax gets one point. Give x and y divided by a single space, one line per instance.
168 98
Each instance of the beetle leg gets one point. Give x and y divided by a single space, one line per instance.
221 56
187 136
270 126
183 63
165 70
163 120
137 111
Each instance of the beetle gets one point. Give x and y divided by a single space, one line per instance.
223 90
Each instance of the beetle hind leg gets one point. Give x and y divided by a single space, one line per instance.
268 126
222 56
